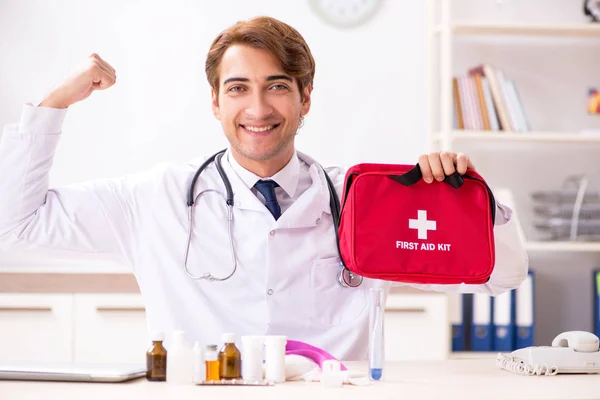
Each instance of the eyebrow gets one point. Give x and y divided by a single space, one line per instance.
269 79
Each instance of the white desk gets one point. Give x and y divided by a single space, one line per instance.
452 379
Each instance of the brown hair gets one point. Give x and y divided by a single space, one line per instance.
265 33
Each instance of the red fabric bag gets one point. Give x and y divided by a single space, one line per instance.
393 226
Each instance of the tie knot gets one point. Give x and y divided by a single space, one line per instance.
267 189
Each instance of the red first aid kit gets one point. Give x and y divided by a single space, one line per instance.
396 227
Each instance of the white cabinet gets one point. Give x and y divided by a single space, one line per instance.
416 327
110 328
36 327
85 328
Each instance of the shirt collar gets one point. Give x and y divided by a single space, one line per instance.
287 177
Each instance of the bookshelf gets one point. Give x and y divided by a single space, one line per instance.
448 41
441 134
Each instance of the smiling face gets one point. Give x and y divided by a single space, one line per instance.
259 107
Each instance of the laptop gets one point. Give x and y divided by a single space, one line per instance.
71 372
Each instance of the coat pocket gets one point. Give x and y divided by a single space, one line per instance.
334 305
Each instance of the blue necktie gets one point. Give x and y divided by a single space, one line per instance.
267 189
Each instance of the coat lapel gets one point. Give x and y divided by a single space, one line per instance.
306 211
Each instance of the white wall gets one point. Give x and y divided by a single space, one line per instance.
367 102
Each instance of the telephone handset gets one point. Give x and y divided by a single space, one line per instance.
571 353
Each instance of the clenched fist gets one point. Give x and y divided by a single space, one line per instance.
93 74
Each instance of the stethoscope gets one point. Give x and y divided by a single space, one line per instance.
346 278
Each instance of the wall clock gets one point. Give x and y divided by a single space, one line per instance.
591 8
345 13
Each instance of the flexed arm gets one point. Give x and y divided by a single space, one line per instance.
92 217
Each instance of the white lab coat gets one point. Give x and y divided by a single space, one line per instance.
286 277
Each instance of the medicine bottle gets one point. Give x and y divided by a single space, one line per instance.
156 359
180 365
199 364
230 358
212 363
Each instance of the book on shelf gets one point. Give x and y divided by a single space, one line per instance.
485 99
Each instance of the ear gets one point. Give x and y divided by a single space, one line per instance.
215 104
305 107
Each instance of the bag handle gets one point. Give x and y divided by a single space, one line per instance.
455 180
414 175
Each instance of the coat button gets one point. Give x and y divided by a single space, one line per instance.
270 292
272 233
318 220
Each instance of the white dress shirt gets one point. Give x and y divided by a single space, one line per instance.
286 278
293 180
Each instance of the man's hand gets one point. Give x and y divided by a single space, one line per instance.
437 165
93 74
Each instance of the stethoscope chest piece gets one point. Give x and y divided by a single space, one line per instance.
347 278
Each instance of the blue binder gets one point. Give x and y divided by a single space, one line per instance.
457 319
524 316
504 321
481 323
596 292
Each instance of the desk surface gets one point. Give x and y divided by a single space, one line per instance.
452 379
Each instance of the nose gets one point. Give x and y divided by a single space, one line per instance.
259 107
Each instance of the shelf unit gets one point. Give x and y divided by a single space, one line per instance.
487 136
466 355
441 135
445 31
520 29
574 247
445 137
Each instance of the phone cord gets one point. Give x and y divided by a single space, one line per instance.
518 366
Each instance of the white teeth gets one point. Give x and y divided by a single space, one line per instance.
263 129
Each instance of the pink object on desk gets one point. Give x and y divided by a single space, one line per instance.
316 354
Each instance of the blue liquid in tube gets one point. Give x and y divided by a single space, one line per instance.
376 334
375 374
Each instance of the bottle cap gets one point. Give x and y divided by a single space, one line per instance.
198 348
180 337
253 340
211 352
275 340
228 337
331 366
331 376
157 336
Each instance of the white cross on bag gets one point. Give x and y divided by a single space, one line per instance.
422 224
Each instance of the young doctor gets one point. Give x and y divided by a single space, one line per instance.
279 272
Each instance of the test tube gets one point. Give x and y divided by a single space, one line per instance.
376 339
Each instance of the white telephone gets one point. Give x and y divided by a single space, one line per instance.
571 353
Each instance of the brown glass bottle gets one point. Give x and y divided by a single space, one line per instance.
230 359
156 359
